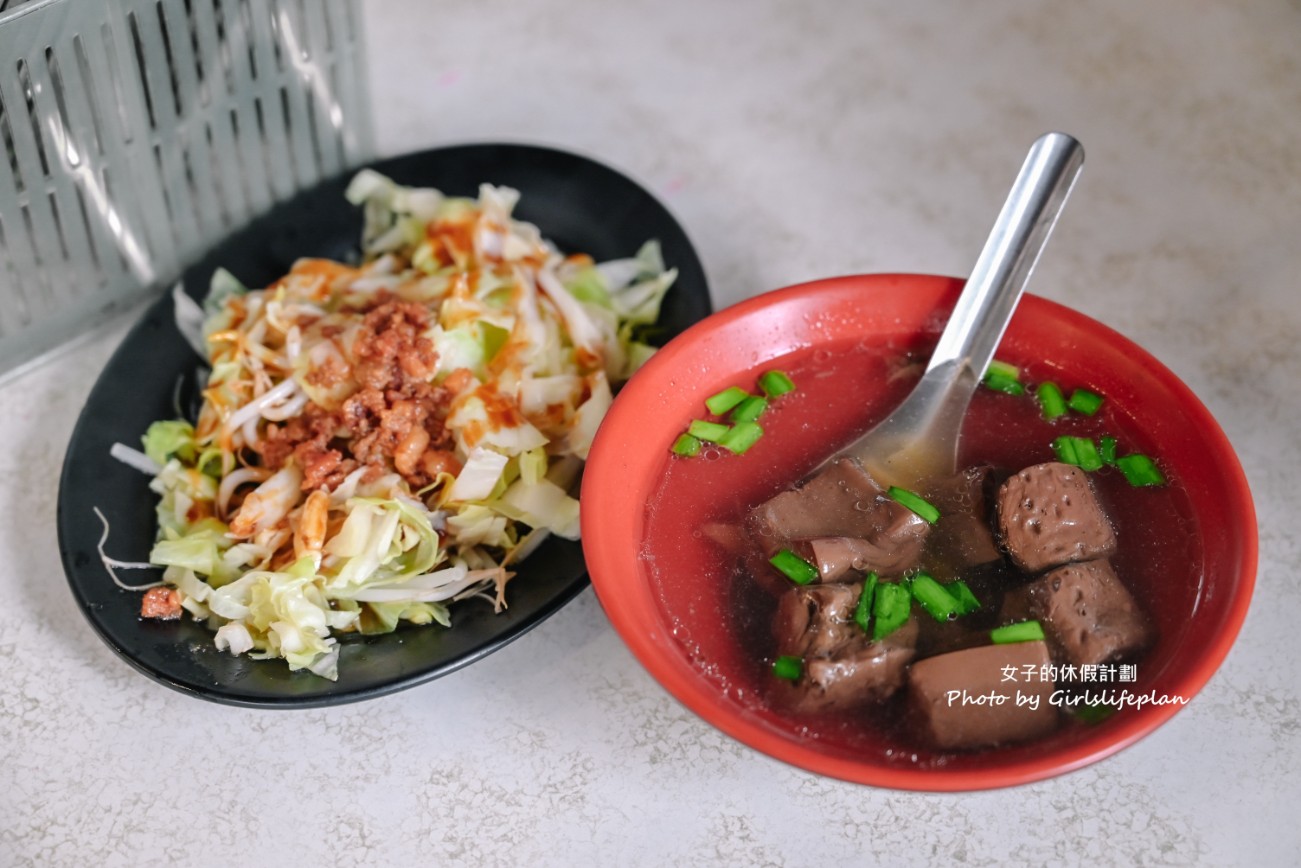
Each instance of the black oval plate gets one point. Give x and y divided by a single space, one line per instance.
580 205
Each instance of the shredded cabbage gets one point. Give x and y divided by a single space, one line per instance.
167 438
327 487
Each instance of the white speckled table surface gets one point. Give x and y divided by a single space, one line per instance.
794 141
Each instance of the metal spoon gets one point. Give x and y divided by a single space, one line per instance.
919 440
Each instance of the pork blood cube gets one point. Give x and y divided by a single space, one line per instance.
985 696
1049 515
1088 615
843 667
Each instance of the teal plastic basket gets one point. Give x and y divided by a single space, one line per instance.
137 133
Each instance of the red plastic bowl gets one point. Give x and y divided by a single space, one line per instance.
673 628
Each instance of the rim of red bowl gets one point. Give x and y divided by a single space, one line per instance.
630 450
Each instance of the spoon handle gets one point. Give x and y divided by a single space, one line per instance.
1000 274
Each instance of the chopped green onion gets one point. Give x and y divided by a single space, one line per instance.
1002 377
711 431
863 610
1087 456
967 602
933 597
890 609
1079 451
794 567
788 667
742 436
686 445
726 400
1000 384
1140 470
775 383
750 408
915 502
1000 368
1095 712
1064 449
1084 401
1051 400
743 409
1024 631
1107 449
